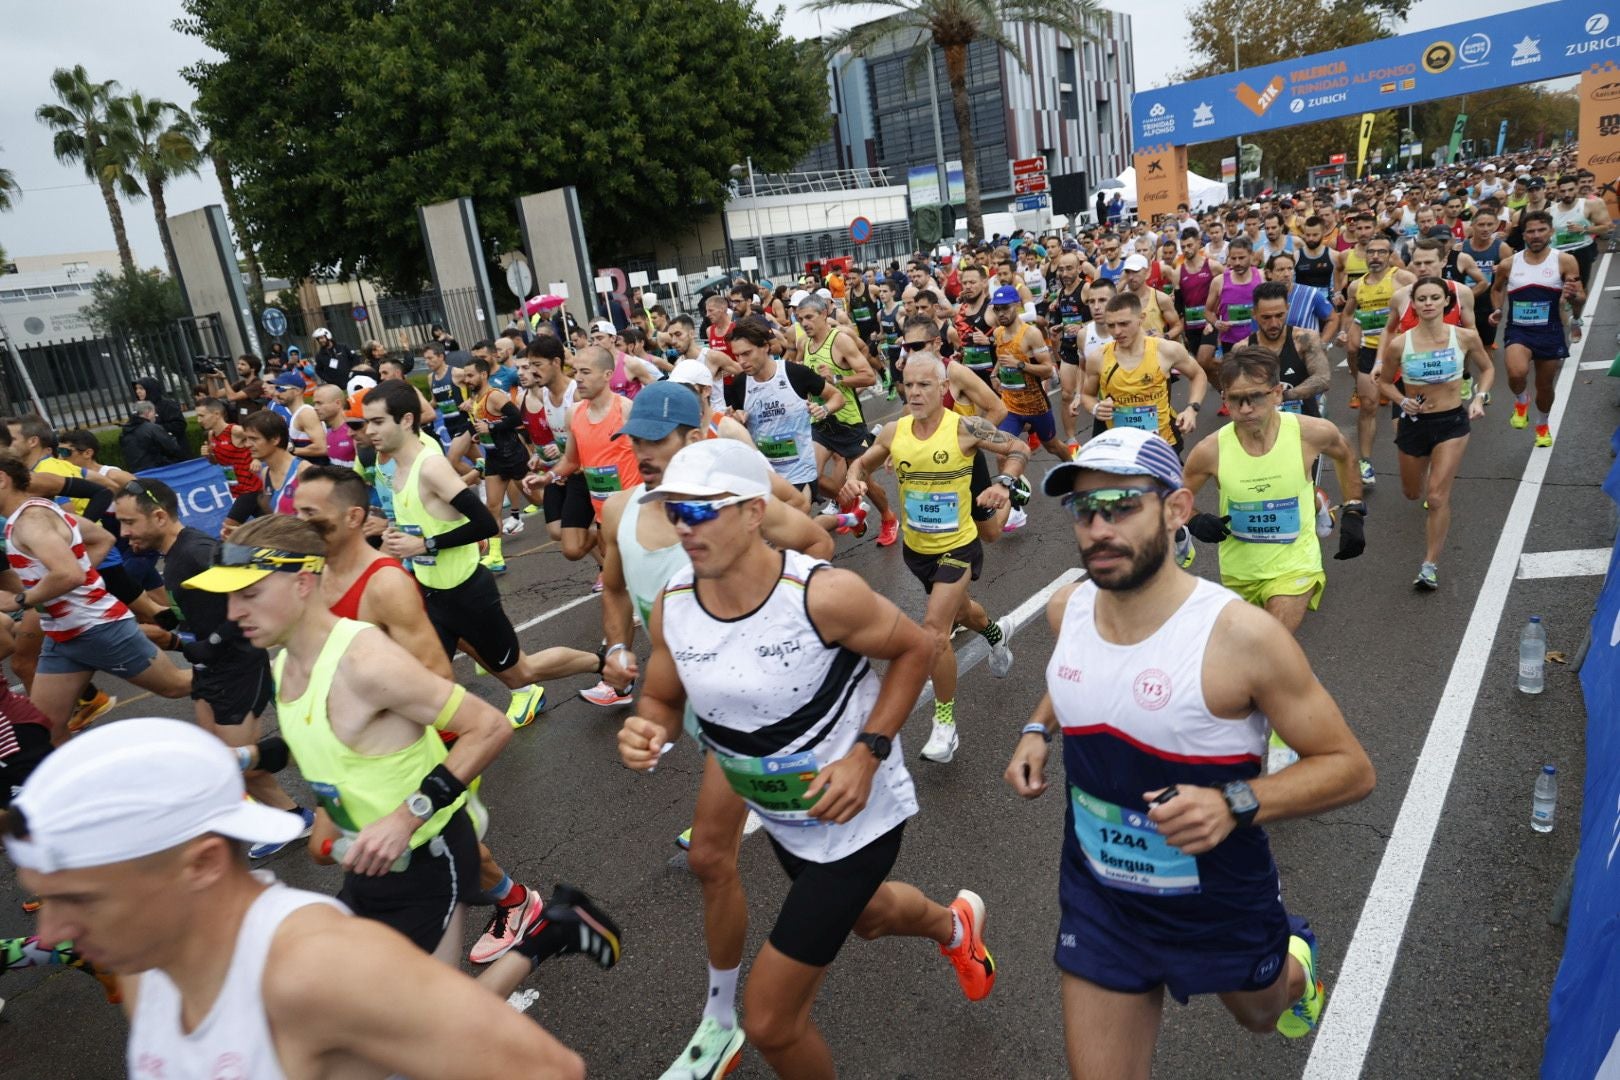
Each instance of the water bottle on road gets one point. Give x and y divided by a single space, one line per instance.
1545 802
1533 656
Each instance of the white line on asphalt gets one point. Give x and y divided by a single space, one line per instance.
1577 562
1347 1027
544 616
1596 365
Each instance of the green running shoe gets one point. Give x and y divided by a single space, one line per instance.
1301 1019
713 1052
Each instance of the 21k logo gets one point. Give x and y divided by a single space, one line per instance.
1259 103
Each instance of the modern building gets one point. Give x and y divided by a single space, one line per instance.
1069 103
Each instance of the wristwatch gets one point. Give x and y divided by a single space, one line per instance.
1241 801
1006 481
22 601
420 805
880 745
428 546
1195 406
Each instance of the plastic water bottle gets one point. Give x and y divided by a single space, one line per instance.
1545 802
1533 656
338 848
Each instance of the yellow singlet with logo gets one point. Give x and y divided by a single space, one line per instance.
936 486
1142 395
1372 308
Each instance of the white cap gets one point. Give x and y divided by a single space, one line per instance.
1490 167
133 788
1521 169
1135 261
798 297
714 468
321 331
825 294
692 373
602 326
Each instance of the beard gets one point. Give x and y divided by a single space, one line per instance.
1145 563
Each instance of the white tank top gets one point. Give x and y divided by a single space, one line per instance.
1095 340
234 1039
766 686
557 415
1546 273
1562 219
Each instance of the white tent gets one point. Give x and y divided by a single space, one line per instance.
1201 191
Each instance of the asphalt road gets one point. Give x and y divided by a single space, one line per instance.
1467 987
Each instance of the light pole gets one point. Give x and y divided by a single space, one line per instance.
1237 16
739 171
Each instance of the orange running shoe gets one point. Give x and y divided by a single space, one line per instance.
975 968
890 532
89 711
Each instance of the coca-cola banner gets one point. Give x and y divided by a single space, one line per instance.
1600 130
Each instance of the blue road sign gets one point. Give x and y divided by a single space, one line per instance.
359 314
274 321
1030 202
860 230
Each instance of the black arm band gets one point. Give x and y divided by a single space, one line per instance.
480 523
77 487
441 787
273 754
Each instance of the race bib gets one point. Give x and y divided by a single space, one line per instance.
602 480
1265 521
1374 319
1239 313
1294 405
1195 316
779 449
1436 366
1531 312
1011 378
486 440
774 786
932 511
977 357
230 474
332 801
1075 319
860 314
423 559
1141 417
1567 239
1125 850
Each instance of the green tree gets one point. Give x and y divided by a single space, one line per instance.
1271 30
159 142
343 121
953 26
134 302
79 120
9 191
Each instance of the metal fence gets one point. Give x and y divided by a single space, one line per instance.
89 383
401 323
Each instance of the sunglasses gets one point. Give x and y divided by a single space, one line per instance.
914 346
1246 401
139 490
1113 504
267 558
695 512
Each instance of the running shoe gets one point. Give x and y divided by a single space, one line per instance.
855 521
1185 552
1300 1020
531 509
32 903
889 533
1368 477
715 1051
596 586
264 851
573 923
1224 411
512 526
975 968
942 743
684 840
604 695
1355 401
526 704
1521 415
1034 441
1543 435
508 926
1428 577
494 566
89 711
1019 493
1324 514
1016 519
1001 657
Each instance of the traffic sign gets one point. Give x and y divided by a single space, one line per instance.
274 321
860 230
1028 166
359 314
1029 202
519 278
1336 159
1029 185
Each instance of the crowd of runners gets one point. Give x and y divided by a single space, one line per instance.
710 468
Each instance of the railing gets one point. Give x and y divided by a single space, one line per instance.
401 323
797 183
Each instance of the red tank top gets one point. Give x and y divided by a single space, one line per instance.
348 605
237 461
609 464
1409 317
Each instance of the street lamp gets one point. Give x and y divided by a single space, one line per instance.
737 172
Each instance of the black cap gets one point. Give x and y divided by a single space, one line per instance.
1537 183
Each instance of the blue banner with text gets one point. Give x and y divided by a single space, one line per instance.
203 491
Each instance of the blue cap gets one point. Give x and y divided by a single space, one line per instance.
659 409
1122 451
1004 295
289 380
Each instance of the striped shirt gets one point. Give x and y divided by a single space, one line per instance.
84 607
1308 307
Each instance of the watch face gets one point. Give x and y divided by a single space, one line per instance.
1241 797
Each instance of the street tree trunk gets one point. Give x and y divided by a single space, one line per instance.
160 211
956 74
115 214
233 210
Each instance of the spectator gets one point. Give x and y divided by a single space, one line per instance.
332 361
144 442
170 415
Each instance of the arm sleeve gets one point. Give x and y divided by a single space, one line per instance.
511 419
480 523
803 380
736 393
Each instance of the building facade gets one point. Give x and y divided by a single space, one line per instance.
1069 103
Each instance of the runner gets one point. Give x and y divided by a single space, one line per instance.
53 556
1127 380
1576 220
1192 280
439 523
1433 428
225 444
1023 366
447 394
1066 316
1159 316
1302 359
629 373
942 547
546 402
230 679
1187 900
306 436
973 323
1308 308
836 816
331 405
1366 311
266 436
1486 246
498 427
841 435
1231 295
1526 296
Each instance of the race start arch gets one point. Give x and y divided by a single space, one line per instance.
1546 41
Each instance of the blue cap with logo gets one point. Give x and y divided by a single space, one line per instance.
1005 295
659 409
1122 451
289 380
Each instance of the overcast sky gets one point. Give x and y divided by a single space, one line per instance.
132 42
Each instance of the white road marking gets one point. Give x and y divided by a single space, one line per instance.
1596 365
1579 562
1346 1031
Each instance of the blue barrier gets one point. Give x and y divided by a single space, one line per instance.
204 494
1584 1010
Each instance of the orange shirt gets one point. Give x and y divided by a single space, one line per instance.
608 464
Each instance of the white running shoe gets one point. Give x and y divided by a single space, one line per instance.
512 526
1001 656
1016 519
942 743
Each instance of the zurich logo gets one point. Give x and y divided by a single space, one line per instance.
1297 105
1157 110
1597 23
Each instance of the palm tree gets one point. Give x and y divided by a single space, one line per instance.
9 191
79 120
953 25
159 141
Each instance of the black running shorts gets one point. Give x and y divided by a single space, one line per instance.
826 899
472 612
418 900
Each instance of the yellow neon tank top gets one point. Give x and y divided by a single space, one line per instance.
443 569
1272 503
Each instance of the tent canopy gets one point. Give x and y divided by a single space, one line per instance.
1201 191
